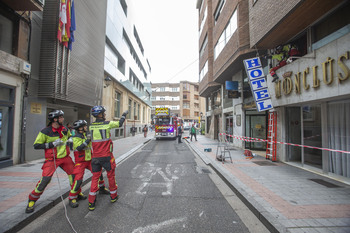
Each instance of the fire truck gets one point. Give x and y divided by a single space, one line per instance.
165 124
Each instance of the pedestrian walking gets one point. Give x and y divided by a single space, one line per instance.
102 156
53 140
179 130
82 156
193 132
145 130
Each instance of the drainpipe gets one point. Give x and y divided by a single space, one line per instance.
222 110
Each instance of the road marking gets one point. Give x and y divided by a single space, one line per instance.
158 226
148 171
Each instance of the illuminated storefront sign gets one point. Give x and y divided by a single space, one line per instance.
258 84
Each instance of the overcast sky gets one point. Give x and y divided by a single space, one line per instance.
169 34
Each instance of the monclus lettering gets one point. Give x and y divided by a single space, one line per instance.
305 72
325 73
314 75
344 68
287 85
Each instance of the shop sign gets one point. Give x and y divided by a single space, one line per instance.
258 84
309 79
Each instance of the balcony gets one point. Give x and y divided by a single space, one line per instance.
25 5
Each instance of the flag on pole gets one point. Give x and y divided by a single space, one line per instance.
72 25
66 25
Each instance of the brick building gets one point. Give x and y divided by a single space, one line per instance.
311 95
181 98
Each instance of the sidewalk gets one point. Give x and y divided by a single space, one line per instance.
16 182
285 198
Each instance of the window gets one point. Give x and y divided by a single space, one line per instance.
204 71
124 6
204 46
7 98
174 89
162 98
6 35
135 113
219 10
185 97
138 112
186 86
162 89
226 35
129 108
203 21
186 105
117 100
144 114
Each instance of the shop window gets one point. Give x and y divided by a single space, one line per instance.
6 121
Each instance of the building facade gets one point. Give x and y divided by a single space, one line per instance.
16 66
224 42
127 68
181 98
311 96
72 80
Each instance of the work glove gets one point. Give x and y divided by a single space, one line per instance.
125 113
57 142
122 119
70 140
88 136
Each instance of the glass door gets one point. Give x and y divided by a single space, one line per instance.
312 135
256 128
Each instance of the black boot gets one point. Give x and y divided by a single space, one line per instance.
73 203
30 206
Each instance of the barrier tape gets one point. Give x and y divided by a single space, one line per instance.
249 139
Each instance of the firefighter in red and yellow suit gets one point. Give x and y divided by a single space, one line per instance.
102 156
82 156
53 140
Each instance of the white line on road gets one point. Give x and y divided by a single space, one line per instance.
158 226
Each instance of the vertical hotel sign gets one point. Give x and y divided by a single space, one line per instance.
258 84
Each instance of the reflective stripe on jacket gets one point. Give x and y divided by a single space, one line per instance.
47 136
81 147
102 145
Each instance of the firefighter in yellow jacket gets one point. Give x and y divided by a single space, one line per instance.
82 157
52 140
102 156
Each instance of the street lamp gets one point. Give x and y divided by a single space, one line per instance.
108 81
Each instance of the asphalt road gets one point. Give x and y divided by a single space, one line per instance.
163 187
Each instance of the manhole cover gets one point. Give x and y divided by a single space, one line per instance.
325 183
264 163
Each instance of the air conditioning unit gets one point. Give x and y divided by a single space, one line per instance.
25 67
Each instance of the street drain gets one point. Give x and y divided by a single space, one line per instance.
325 183
264 163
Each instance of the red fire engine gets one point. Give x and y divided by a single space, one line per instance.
165 124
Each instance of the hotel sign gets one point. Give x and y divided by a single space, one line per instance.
258 84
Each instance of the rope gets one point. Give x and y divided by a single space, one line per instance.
59 185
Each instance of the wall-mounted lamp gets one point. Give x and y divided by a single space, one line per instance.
108 81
